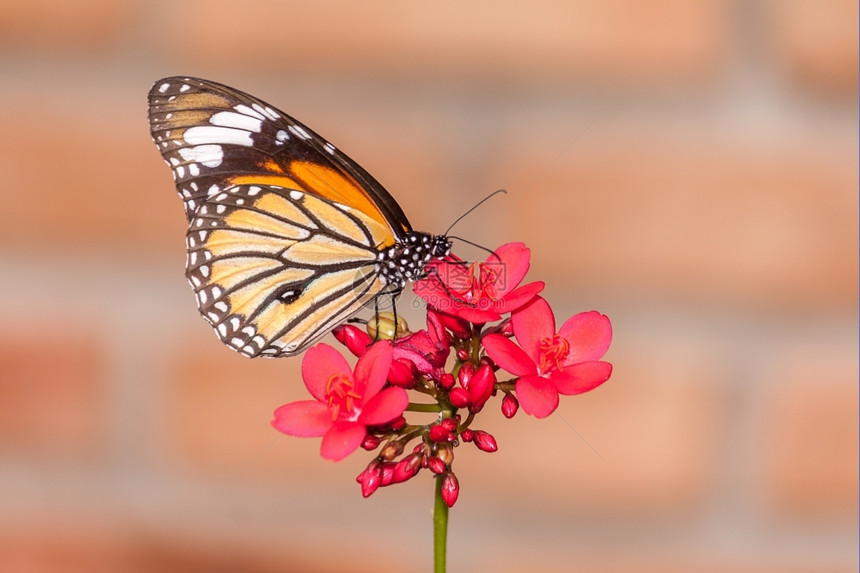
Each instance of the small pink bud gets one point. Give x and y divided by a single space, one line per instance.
397 424
450 488
446 381
465 374
467 435
450 424
407 468
355 339
459 398
438 433
435 465
463 355
370 479
401 373
387 474
481 387
510 405
370 442
485 441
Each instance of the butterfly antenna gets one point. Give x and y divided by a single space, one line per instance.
481 202
482 247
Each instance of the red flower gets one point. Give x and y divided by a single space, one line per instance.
552 363
480 292
346 402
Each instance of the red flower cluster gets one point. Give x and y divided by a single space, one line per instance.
475 312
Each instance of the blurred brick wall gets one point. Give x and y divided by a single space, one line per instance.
688 168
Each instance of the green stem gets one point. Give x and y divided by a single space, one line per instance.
440 529
413 407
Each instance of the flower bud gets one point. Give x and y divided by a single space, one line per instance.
450 424
435 465
383 327
510 405
401 373
407 468
450 488
467 435
446 381
463 355
459 398
370 442
481 387
464 375
506 328
485 441
445 452
387 474
391 450
439 433
370 479
397 424
355 339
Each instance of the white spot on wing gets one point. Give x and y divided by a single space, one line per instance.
163 87
237 120
242 108
205 134
299 132
209 155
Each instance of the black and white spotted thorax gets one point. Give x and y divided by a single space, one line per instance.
405 261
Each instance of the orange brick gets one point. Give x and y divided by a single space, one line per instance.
618 41
43 25
685 211
808 443
815 44
53 392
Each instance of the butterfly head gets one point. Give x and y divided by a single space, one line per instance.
441 247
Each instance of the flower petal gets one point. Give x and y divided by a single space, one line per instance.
479 315
519 297
589 335
537 396
304 419
582 377
508 355
341 440
384 407
515 264
371 370
532 323
319 364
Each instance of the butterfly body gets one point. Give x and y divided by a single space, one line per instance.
287 236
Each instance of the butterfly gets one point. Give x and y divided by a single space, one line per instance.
287 236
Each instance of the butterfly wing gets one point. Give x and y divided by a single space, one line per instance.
284 232
273 268
213 136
